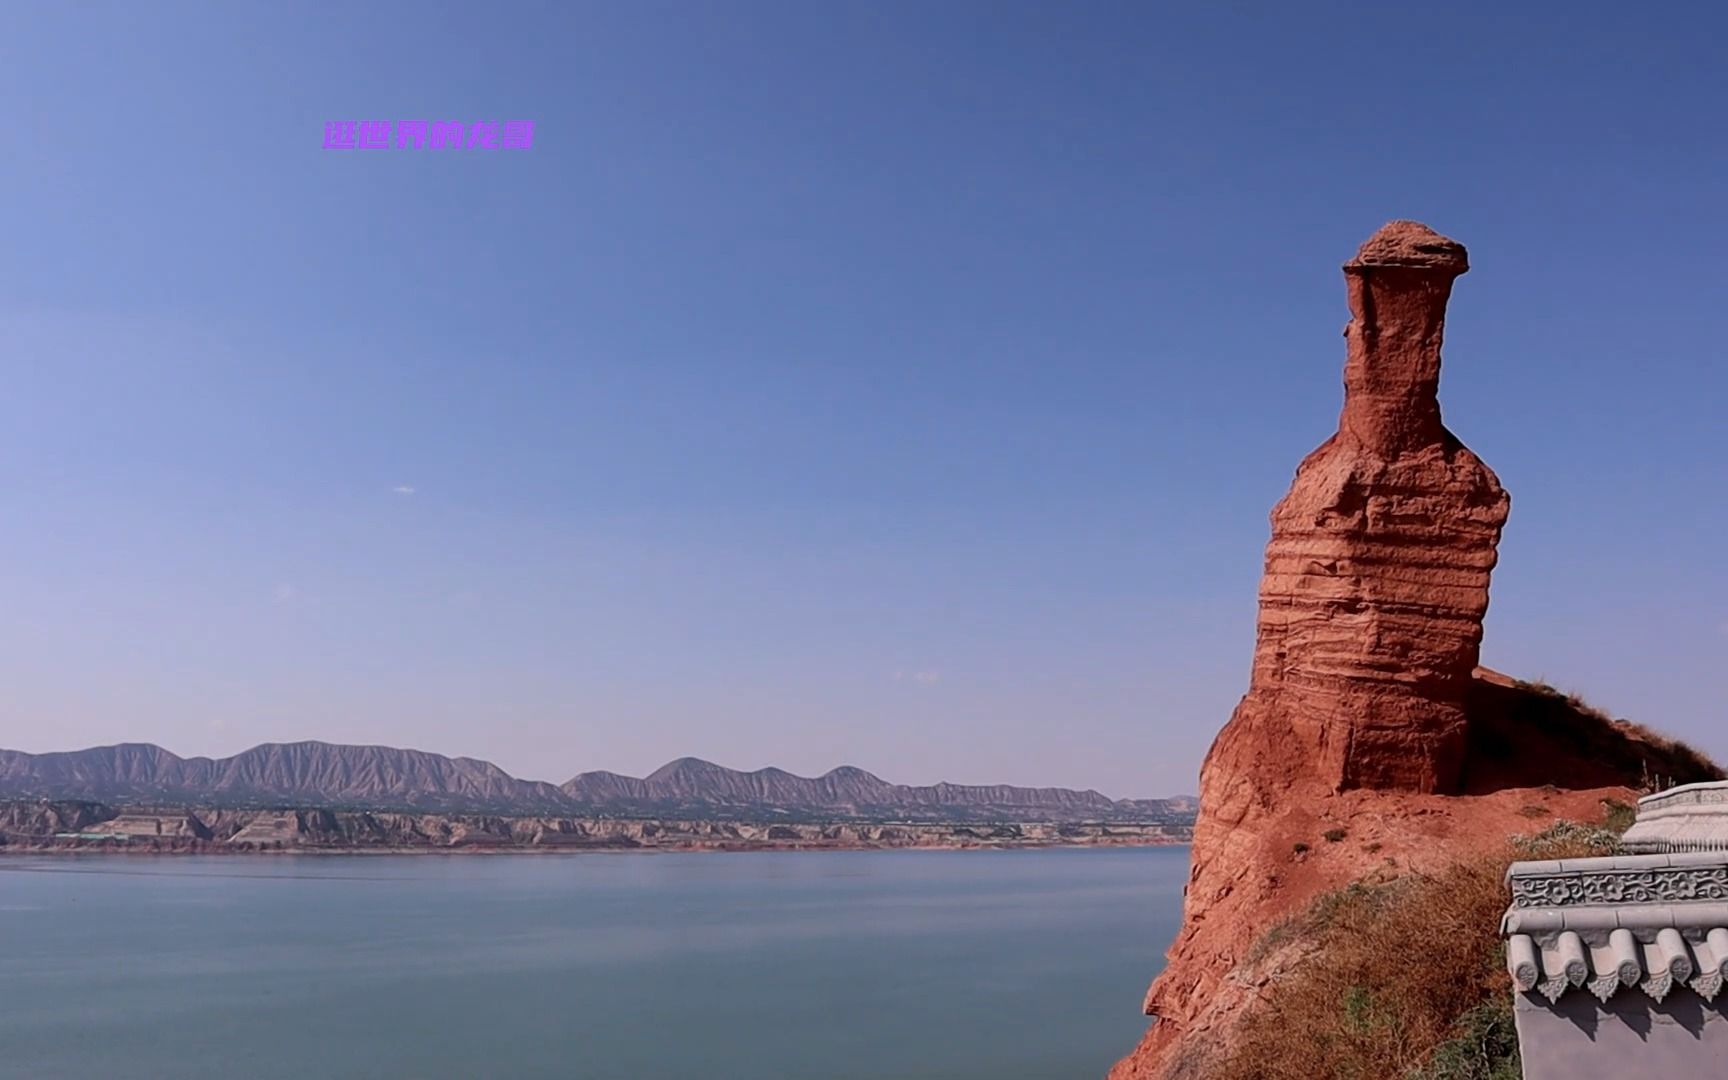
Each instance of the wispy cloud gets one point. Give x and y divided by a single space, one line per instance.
403 489
927 677
289 595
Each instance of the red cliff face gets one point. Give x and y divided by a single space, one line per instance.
1353 748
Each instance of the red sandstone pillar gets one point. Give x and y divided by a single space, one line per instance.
1377 572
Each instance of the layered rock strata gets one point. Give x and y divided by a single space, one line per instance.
387 778
1369 744
1377 573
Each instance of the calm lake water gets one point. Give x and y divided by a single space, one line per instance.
828 966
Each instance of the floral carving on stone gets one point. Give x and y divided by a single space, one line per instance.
1622 887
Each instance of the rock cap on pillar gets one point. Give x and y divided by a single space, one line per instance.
1411 244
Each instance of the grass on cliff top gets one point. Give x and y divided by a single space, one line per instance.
1406 979
1685 763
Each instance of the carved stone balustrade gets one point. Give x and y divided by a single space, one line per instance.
1617 963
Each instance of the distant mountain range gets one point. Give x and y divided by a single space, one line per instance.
317 774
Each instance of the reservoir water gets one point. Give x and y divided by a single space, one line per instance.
1006 965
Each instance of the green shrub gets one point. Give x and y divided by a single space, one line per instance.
1484 1047
1620 816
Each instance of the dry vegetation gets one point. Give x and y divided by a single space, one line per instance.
1521 732
1676 761
1404 979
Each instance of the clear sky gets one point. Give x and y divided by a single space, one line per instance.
895 384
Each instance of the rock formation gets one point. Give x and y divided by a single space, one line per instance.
316 774
1377 573
1366 720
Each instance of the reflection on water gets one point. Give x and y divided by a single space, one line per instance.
835 965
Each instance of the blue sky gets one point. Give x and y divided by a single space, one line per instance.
903 385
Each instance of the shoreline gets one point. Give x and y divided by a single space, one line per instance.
158 850
86 828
